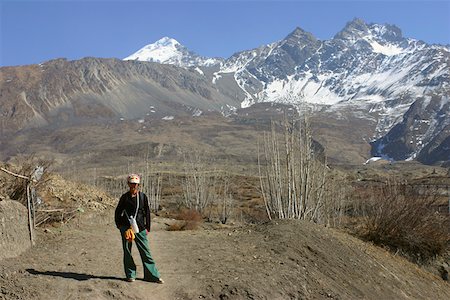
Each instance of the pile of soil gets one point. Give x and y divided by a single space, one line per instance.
58 192
276 260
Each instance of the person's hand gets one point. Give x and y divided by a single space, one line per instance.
129 235
146 231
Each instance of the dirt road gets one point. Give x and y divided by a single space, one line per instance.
279 260
85 262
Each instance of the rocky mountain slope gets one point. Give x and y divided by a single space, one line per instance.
424 132
369 71
61 91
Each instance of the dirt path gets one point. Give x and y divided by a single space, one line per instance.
85 262
280 260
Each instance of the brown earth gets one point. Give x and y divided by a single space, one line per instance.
82 259
276 260
232 140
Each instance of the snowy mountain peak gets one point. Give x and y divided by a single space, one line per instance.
162 51
358 30
169 51
353 30
387 32
166 42
300 36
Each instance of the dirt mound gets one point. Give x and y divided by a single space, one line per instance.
300 260
277 260
64 193
55 195
15 236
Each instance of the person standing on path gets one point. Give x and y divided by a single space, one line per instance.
134 204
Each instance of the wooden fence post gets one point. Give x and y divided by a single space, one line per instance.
35 176
30 221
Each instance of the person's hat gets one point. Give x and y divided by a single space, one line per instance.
134 178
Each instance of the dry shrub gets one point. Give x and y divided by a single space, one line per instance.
404 219
253 215
25 166
177 226
187 219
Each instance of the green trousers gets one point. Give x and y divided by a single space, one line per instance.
150 271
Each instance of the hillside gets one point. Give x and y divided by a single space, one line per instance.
60 92
276 260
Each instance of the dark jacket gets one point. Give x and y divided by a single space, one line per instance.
128 204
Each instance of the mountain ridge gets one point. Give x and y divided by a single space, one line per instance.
61 90
370 66
366 72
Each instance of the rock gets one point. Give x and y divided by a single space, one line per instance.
443 270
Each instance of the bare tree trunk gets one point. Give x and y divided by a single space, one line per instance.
199 183
293 179
264 192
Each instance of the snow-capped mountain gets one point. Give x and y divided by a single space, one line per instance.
170 51
368 86
367 69
362 63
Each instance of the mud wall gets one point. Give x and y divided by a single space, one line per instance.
14 238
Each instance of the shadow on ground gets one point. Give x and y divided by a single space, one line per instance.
72 275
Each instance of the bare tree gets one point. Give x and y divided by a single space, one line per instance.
336 198
225 203
198 183
293 175
151 183
152 188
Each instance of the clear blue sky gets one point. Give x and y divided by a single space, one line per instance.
35 31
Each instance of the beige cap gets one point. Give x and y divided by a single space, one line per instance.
133 178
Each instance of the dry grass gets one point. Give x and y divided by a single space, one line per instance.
405 219
187 219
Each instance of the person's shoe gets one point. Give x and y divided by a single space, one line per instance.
131 279
159 280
